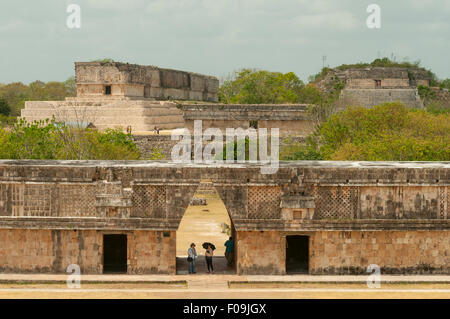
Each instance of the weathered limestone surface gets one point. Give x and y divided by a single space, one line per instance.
376 85
143 81
51 251
118 95
151 252
44 250
260 253
149 145
290 119
396 252
348 252
68 205
371 97
389 77
141 115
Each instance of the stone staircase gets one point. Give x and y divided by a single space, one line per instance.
142 115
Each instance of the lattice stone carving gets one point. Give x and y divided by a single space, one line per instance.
77 200
334 202
149 201
17 199
448 202
444 202
38 200
264 202
4 194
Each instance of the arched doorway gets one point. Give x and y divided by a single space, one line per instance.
205 220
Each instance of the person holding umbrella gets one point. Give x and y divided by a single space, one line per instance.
209 255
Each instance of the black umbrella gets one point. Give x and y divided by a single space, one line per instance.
205 245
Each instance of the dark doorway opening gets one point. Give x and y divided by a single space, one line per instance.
108 90
114 253
297 254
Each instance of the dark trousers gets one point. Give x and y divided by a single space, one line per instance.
209 263
229 257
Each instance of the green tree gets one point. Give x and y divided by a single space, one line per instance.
445 84
249 86
388 132
31 141
4 107
70 86
15 94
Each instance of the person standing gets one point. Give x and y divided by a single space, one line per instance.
229 244
192 255
209 256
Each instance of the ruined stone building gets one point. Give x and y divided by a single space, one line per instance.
312 217
122 95
118 95
376 85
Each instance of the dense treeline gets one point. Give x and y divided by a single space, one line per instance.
388 132
14 95
249 86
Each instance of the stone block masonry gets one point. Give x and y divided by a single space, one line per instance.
348 252
371 97
141 115
290 119
396 252
369 86
52 251
118 95
393 214
149 145
132 80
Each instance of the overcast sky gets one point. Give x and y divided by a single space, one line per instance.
217 37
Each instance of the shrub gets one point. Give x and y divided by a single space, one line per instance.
388 132
5 109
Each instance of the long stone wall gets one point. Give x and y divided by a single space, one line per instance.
151 145
290 119
372 97
348 252
52 251
355 213
396 252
